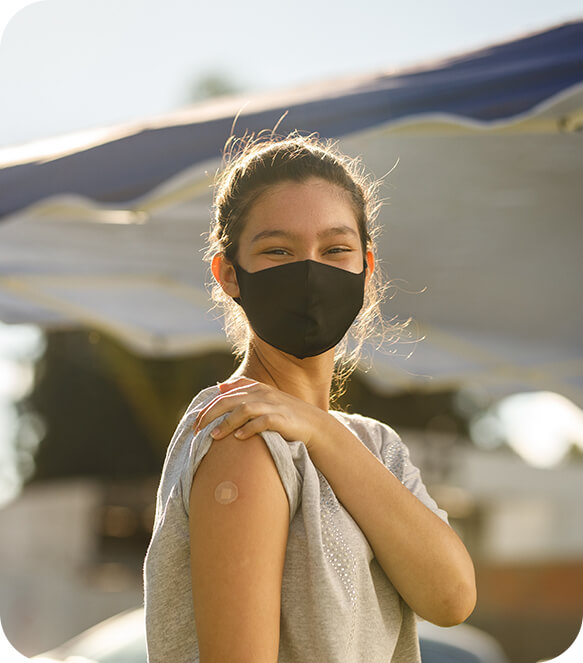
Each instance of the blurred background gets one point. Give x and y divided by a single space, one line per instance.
112 120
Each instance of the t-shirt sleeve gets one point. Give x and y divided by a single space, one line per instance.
199 444
395 455
413 481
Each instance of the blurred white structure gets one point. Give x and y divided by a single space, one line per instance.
52 584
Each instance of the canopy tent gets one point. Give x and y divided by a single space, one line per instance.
482 225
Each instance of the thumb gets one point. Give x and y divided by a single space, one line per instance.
235 383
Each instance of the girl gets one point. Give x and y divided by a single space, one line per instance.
287 531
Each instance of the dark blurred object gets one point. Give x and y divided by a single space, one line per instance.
108 412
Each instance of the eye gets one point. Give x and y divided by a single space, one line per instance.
340 249
276 252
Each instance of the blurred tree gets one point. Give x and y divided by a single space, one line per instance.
212 84
110 413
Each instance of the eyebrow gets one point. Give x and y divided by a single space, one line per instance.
329 232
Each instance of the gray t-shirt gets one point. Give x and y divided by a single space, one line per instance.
337 604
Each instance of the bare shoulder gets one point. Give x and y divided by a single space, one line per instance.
239 519
247 464
237 490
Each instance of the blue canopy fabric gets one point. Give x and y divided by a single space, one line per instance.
482 236
489 85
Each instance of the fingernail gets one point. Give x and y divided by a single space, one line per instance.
215 433
238 433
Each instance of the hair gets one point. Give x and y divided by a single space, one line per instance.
255 163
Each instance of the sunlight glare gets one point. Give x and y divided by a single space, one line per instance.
540 426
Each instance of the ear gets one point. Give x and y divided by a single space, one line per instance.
224 273
370 265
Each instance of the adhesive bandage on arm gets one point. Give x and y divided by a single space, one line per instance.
226 492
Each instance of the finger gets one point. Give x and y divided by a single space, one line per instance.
255 426
220 405
240 416
244 389
196 425
235 383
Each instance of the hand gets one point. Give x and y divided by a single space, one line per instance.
255 407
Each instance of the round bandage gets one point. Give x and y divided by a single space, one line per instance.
226 492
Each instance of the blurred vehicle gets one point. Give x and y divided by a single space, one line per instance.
458 644
121 639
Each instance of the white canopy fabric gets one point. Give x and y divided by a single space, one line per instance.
482 232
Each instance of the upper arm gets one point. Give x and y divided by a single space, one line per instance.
238 552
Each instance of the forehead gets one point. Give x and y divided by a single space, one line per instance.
291 204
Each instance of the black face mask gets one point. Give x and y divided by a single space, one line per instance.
303 308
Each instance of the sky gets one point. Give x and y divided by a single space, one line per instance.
70 65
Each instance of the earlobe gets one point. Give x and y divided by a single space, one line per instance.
224 273
370 264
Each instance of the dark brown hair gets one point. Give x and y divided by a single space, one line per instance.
252 165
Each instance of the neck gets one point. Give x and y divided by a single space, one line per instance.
308 379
